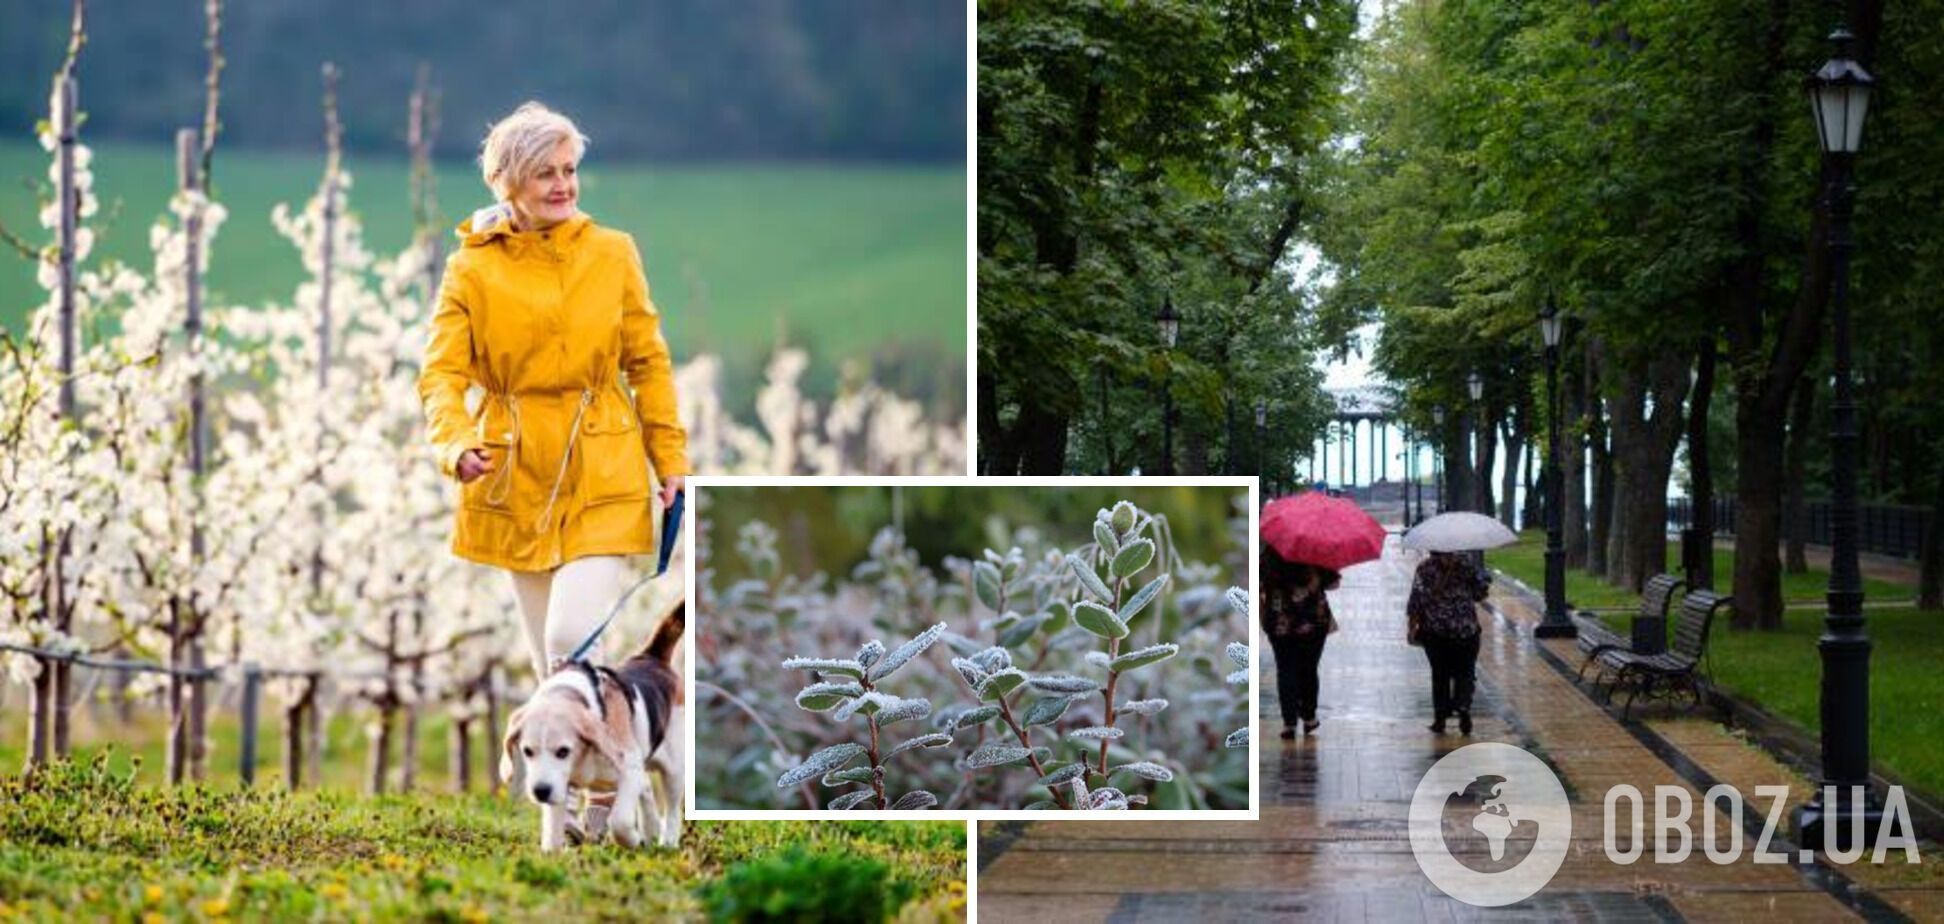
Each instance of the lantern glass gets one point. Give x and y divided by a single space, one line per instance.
1262 412
1549 328
1840 108
1476 384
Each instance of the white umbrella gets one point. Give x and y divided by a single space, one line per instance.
1459 532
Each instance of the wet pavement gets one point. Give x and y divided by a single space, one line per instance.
1332 841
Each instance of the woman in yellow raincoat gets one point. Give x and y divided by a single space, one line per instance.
547 312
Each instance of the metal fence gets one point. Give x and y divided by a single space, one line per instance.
1883 529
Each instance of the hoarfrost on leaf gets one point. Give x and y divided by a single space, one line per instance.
1096 733
824 761
994 755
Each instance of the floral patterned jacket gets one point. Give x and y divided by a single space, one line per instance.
1296 612
1445 595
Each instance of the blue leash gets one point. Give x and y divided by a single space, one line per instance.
671 531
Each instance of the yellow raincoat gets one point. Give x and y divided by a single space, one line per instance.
543 321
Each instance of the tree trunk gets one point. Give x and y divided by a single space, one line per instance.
381 738
314 731
1643 447
1509 479
1758 488
1700 468
460 758
1573 452
293 751
1538 484
1486 434
1795 520
1602 491
199 692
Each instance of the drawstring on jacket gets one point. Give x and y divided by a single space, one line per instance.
496 492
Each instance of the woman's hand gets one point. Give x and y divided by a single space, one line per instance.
474 463
670 488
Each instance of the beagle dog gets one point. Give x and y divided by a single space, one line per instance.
603 730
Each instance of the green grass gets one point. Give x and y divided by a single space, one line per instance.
1782 670
80 841
1526 560
851 262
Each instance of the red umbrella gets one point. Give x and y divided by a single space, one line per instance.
1317 529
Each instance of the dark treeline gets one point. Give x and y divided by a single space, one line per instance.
868 80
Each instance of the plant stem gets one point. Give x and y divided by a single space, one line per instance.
877 770
1005 712
1113 651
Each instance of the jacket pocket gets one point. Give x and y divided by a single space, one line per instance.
614 465
493 491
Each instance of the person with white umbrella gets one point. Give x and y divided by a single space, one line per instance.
1443 607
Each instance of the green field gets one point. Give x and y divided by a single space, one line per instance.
852 262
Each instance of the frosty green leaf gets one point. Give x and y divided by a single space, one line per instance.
1104 535
1146 770
972 717
1046 710
1141 599
1000 684
1142 706
850 775
1096 733
1131 558
824 761
1146 656
1122 519
1099 620
1089 578
851 800
919 799
1238 738
1238 654
868 704
825 666
1065 684
1065 773
938 739
821 697
871 651
905 652
904 709
994 755
985 581
1020 631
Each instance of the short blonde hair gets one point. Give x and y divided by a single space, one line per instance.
517 144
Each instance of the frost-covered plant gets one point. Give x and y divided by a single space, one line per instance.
1238 654
1104 609
1031 658
851 691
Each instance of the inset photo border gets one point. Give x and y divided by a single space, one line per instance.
945 644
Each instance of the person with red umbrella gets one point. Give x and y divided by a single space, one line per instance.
1310 539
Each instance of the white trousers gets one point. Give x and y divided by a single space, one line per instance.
561 607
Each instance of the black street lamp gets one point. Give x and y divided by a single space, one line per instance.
1475 425
1840 96
1556 624
1262 439
1170 326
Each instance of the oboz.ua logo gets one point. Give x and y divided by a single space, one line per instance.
1490 824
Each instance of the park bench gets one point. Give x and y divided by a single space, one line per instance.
1649 628
1672 671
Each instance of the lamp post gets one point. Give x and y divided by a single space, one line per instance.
1262 439
1556 624
1475 425
1170 326
1839 93
1437 457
